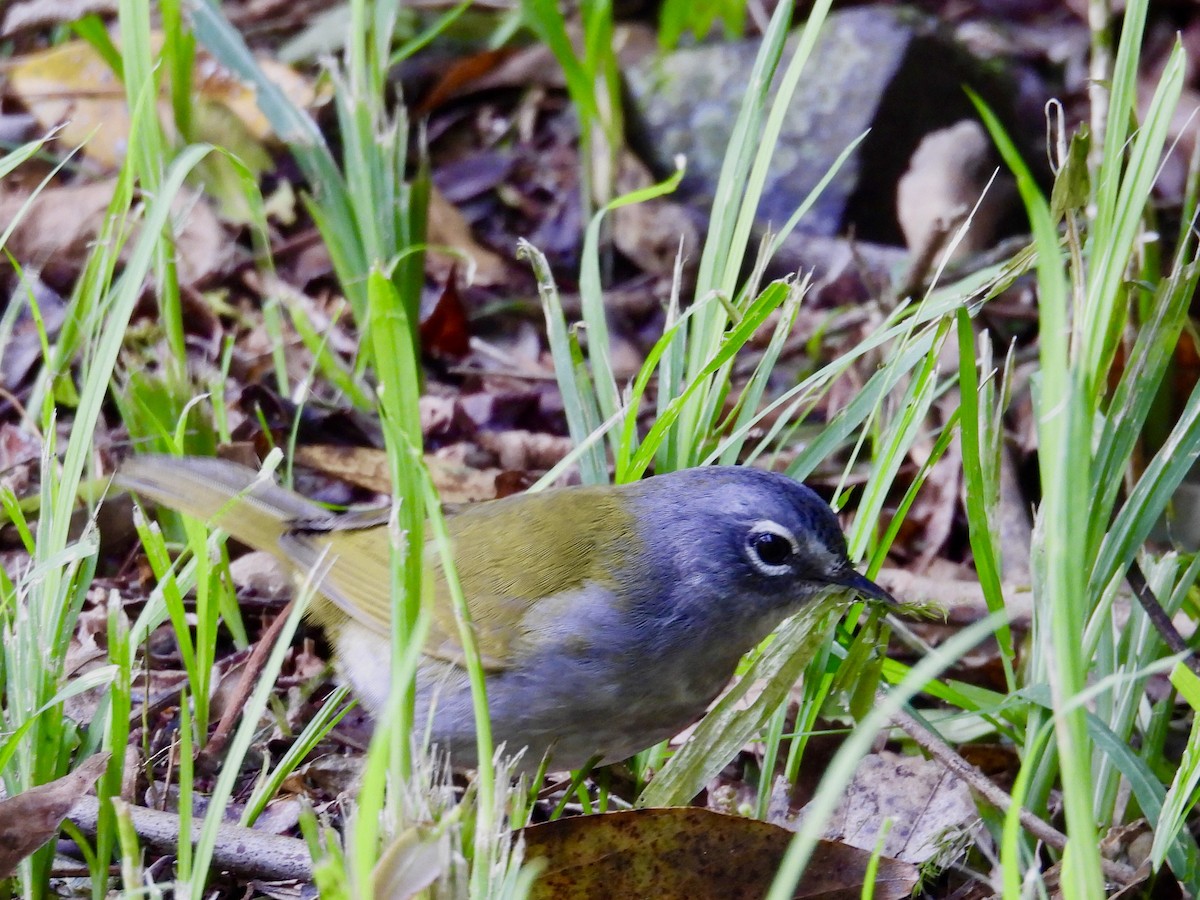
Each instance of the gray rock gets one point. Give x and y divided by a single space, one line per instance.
880 67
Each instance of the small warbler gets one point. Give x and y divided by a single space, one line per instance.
607 618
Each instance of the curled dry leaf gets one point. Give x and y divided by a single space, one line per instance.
418 856
32 817
445 329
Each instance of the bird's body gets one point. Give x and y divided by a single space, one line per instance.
607 617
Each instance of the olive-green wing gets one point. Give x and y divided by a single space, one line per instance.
510 555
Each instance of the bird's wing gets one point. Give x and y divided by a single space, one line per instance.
355 577
513 556
509 555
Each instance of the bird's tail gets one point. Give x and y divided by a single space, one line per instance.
241 501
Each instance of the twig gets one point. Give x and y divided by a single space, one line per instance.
933 744
245 687
1159 619
244 851
923 260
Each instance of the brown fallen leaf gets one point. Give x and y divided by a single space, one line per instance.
446 331
458 77
654 232
31 14
56 232
32 817
71 85
263 575
918 800
1130 843
520 450
367 467
458 484
489 70
946 176
692 854
932 515
20 450
448 228
418 857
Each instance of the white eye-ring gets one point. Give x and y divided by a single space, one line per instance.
771 548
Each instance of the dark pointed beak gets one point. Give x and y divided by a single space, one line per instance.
865 588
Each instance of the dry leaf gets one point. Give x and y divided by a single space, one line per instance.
20 452
459 484
933 512
691 854
32 14
447 227
446 331
32 817
71 85
524 451
652 233
412 862
56 232
368 467
458 76
262 574
522 68
925 803
946 177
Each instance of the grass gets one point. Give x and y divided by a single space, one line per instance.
1075 705
1084 306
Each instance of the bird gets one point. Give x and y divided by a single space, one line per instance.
607 618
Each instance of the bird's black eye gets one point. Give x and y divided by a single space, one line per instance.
771 548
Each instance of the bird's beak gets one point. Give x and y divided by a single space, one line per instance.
866 588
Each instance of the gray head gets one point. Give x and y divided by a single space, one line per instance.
743 545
